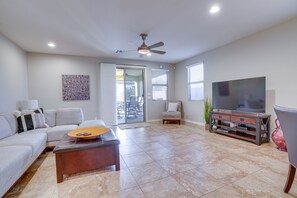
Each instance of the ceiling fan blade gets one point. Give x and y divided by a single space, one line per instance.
156 45
157 52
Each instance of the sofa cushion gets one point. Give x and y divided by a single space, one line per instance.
11 119
50 117
66 116
11 165
92 123
5 130
36 140
171 114
57 132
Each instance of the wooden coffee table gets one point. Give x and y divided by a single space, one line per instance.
74 155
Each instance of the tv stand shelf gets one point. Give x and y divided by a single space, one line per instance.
252 127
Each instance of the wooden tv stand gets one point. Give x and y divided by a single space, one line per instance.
252 127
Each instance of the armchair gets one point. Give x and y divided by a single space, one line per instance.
288 120
172 111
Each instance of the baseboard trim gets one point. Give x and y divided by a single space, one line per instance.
155 120
194 122
183 120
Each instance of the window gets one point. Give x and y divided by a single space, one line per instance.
196 82
159 84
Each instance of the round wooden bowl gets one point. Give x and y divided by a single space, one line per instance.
87 133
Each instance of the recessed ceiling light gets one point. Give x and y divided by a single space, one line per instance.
148 54
214 9
51 44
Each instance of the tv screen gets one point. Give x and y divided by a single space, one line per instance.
244 95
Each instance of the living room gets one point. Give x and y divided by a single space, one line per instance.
270 52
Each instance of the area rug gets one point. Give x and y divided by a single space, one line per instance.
134 125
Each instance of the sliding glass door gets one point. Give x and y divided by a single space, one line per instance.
130 95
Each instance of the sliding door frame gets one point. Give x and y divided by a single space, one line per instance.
144 76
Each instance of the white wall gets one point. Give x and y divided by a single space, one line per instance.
45 83
271 53
45 80
13 75
154 108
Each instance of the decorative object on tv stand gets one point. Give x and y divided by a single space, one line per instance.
28 105
206 112
278 137
76 87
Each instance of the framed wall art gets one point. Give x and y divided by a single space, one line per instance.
76 87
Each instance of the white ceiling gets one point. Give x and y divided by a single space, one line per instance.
98 28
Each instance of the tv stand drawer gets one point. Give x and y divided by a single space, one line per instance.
243 120
221 117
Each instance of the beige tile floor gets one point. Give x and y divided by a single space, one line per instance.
169 161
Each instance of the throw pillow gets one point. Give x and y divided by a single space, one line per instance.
31 121
40 110
39 121
25 123
172 106
25 112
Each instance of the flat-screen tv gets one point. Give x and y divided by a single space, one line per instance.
244 95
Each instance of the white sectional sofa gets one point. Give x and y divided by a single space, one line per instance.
61 121
19 150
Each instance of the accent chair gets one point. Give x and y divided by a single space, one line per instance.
288 120
172 111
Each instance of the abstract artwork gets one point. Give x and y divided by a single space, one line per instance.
76 87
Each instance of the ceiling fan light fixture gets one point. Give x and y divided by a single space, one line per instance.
51 44
214 9
143 51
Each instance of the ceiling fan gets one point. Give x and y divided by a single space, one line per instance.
144 49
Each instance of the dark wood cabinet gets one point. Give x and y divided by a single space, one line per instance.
252 127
